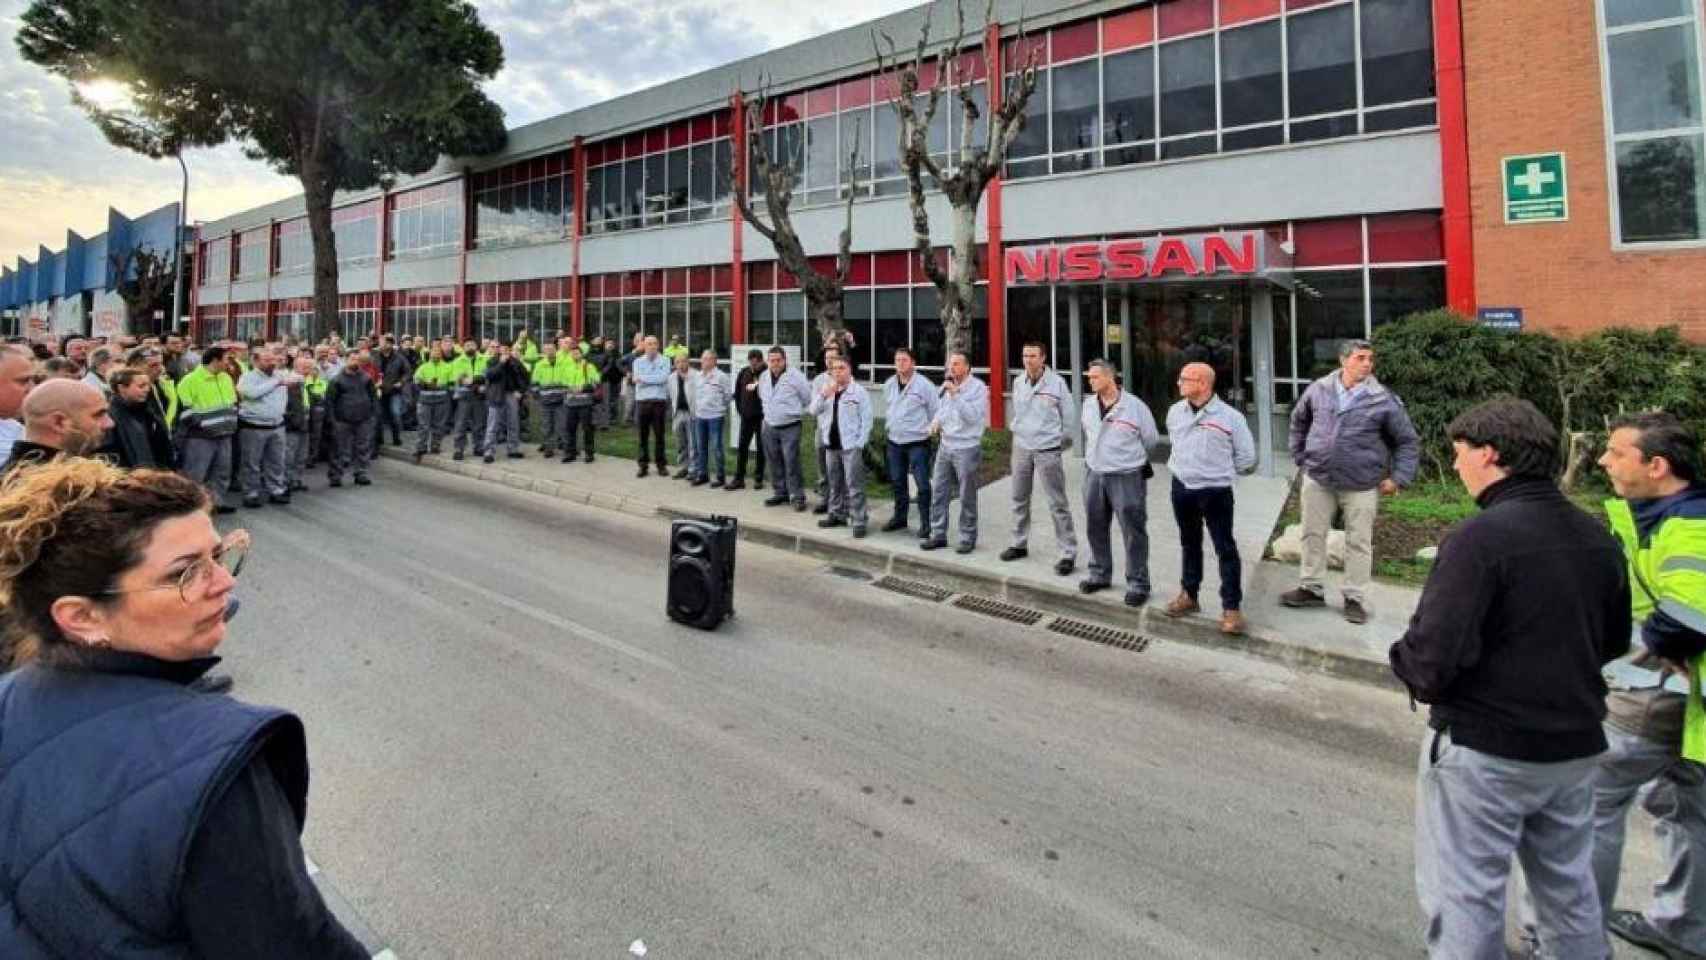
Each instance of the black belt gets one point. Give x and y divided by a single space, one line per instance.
783 426
1053 449
258 426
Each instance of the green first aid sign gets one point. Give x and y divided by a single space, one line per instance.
1535 189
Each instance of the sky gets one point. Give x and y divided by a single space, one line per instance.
58 173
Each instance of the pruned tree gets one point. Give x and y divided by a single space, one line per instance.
976 164
780 175
143 278
340 95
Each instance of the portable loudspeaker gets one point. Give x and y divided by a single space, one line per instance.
702 571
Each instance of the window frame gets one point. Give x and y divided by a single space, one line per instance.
1614 139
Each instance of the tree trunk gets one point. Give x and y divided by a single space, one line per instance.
957 309
317 193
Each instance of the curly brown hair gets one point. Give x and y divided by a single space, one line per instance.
72 527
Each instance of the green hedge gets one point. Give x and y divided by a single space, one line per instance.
1442 363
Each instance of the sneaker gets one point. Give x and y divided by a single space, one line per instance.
965 548
1136 598
775 501
829 523
1634 927
931 543
1302 597
1064 566
1355 612
1015 553
895 523
859 532
1232 623
1181 605
1093 586
362 481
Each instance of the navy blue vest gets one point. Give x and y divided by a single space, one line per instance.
104 780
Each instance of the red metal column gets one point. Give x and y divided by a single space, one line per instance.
993 258
1458 220
737 151
577 294
462 324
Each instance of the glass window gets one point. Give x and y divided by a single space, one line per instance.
1033 139
791 321
885 148
634 194
1623 13
1187 86
857 124
761 318
1322 54
790 150
722 323
891 327
823 163
675 321
1329 310
1397 51
1027 319
1394 294
699 326
928 339
677 194
1399 118
1076 117
1192 147
657 188
1250 82
701 170
1344 125
1252 138
1661 190
1652 64
724 150
856 317
1655 79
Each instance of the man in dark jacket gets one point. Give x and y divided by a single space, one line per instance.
751 411
506 384
395 375
1526 603
138 437
1354 443
352 407
611 365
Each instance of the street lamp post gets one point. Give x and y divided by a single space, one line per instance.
178 248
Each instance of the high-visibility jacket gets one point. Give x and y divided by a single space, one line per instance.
165 387
466 366
436 374
548 372
314 386
675 350
528 351
579 376
1668 575
200 391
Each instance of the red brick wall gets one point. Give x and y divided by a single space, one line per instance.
1533 82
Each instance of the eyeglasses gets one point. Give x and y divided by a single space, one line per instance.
196 581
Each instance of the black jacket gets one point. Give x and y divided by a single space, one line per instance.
349 397
139 437
509 376
1526 603
747 402
394 371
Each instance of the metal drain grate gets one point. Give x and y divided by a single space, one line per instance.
997 608
914 588
1096 633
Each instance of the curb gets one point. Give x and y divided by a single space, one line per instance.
877 560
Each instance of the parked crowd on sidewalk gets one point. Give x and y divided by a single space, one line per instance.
1531 607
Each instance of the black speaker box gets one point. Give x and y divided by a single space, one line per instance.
702 571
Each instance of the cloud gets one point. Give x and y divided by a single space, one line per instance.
59 173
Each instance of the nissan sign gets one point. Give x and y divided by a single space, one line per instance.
1234 255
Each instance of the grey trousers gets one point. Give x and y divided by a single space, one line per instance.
955 475
295 457
782 453
846 476
432 422
1121 495
556 417
354 444
822 469
208 462
1048 465
263 462
470 421
1474 812
503 423
686 438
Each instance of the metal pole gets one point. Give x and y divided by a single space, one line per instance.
1262 353
178 247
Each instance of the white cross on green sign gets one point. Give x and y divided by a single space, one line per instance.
1535 189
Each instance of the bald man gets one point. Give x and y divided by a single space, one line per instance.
1211 447
17 376
61 418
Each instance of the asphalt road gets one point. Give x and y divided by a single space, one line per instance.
515 754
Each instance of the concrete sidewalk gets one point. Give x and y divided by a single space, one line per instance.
1317 639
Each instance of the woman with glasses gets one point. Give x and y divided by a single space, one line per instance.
143 818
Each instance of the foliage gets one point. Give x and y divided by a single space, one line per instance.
343 95
143 278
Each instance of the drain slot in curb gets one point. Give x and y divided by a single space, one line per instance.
998 609
914 588
1096 633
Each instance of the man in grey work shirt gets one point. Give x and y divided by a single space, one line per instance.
1211 446
261 396
1040 403
1119 433
961 419
909 405
785 395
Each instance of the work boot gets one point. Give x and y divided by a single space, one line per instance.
932 543
517 455
738 484
457 456
681 474
1232 623
489 458
1181 605
282 499
642 472
588 458
775 501
859 532
1015 553
362 481
251 502
718 484
828 523
1355 612
821 508
1136 598
1065 566
1634 927
1302 597
895 523
1093 586
334 482
965 548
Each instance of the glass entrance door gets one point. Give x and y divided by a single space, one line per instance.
1158 328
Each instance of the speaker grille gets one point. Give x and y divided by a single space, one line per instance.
690 588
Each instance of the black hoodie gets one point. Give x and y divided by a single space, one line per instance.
1527 601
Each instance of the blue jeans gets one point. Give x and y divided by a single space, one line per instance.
913 458
709 434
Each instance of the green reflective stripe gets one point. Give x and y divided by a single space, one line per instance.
1696 564
1684 614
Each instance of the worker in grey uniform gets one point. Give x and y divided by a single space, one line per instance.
823 380
785 394
1041 401
844 416
263 394
909 404
1119 435
961 418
